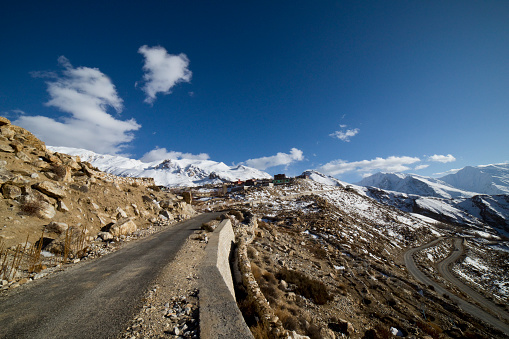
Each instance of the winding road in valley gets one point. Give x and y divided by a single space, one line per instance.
94 299
444 270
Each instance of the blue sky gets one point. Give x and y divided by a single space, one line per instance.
347 88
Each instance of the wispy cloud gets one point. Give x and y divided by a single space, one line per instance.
276 160
390 164
162 71
420 167
85 94
345 134
442 158
159 154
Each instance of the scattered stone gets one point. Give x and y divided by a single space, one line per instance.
105 236
209 226
11 191
6 148
123 227
62 207
121 213
57 227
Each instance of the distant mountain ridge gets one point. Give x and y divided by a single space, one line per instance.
466 182
414 184
438 199
169 172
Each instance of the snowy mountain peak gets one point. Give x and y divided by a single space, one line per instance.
486 179
169 172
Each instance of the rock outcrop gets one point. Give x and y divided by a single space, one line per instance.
64 205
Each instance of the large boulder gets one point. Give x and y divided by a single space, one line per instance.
4 121
51 189
123 226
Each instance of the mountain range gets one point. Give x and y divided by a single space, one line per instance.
466 182
473 196
169 172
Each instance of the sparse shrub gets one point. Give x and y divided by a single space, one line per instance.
271 293
154 188
430 328
379 332
313 331
289 321
307 287
31 207
252 253
270 278
257 272
259 332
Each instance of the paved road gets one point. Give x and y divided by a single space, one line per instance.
96 299
444 270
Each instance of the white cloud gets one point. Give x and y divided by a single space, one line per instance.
345 135
442 158
162 71
86 94
276 160
420 167
159 154
391 164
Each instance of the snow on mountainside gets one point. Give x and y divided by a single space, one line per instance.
170 172
487 179
414 184
432 198
324 179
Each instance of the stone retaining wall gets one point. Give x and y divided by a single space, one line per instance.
220 316
254 294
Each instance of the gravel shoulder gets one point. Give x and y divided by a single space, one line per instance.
171 306
96 299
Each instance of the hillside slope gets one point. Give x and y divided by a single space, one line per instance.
63 206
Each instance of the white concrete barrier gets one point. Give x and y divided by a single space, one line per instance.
220 316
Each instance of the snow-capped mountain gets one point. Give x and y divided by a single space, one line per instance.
414 184
473 196
487 179
170 172
478 211
466 182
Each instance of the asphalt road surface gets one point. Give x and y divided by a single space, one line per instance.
96 299
444 270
